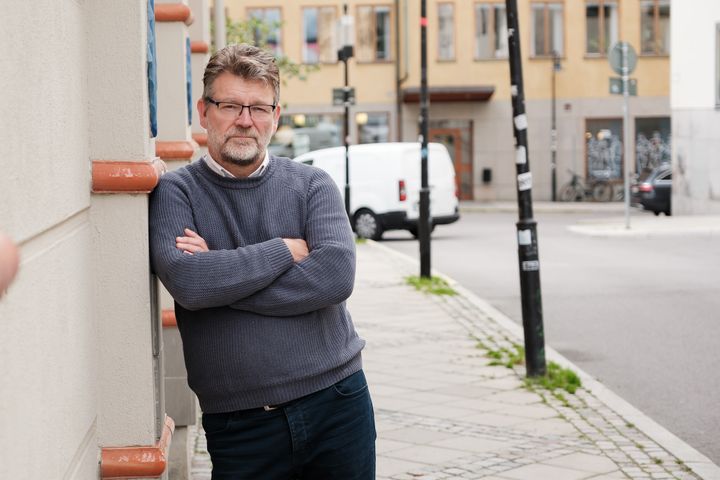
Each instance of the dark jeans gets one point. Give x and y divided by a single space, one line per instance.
329 435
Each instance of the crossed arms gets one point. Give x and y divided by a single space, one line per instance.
276 277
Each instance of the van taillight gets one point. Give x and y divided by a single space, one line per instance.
402 192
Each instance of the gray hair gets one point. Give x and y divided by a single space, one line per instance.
247 62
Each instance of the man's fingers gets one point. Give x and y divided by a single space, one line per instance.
190 247
190 233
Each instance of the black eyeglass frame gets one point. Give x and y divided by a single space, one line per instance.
242 107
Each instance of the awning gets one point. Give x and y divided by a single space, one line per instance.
449 94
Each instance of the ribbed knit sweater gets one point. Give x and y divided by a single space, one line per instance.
257 328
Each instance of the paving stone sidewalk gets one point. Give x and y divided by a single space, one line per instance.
443 412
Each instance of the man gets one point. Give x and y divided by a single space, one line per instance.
258 253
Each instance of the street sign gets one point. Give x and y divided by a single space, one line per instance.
616 86
339 96
616 58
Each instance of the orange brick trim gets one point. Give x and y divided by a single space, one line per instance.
200 138
183 149
133 462
109 176
9 261
198 46
173 12
168 318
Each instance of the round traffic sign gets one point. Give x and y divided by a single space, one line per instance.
616 57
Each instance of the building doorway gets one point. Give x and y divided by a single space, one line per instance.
456 136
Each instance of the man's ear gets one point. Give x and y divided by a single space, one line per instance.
202 112
276 118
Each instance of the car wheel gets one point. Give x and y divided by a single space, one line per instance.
367 225
656 212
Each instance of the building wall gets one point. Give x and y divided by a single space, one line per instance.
695 116
80 350
48 351
582 85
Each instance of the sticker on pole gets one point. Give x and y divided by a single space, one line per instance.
521 122
525 237
521 155
524 181
530 266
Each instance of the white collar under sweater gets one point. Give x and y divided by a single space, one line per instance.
220 170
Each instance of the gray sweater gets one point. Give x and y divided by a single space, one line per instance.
257 328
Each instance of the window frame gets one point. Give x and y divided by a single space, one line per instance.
359 127
438 58
546 24
656 28
302 33
493 39
601 28
280 50
392 33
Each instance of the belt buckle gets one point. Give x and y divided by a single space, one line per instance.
269 408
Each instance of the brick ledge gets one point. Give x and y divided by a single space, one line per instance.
133 462
113 176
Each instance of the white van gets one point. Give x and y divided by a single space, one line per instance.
385 184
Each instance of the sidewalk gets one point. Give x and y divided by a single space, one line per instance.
443 412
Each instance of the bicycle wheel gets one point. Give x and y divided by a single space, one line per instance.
568 193
602 192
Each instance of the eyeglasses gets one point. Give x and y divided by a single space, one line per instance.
234 110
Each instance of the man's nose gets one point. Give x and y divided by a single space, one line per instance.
244 118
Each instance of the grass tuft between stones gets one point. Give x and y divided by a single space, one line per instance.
556 377
433 285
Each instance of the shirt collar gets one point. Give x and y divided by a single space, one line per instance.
223 172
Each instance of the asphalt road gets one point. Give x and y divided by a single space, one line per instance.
640 314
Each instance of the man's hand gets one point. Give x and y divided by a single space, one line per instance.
298 247
191 243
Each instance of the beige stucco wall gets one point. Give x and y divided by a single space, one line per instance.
76 354
696 119
48 350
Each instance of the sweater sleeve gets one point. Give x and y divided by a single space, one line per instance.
207 279
327 275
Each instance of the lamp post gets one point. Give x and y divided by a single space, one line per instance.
553 128
345 52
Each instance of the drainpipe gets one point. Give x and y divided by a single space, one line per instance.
400 75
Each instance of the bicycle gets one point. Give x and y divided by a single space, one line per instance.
576 190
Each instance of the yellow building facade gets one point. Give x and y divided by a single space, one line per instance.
469 83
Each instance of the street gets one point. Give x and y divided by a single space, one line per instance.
637 313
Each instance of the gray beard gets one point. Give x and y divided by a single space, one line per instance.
236 156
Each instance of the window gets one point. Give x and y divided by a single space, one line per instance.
601 26
373 127
491 39
446 33
319 45
372 24
267 31
300 133
653 142
604 149
655 27
547 29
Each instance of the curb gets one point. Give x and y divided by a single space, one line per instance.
696 461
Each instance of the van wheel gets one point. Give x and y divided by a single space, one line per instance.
367 225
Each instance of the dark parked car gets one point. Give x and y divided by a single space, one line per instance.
652 190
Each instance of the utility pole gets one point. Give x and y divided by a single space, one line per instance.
424 220
345 52
526 226
553 127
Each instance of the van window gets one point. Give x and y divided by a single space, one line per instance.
307 161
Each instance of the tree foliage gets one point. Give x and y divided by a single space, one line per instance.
259 33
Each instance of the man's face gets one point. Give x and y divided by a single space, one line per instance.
238 139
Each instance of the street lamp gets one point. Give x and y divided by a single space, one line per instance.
345 52
553 128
